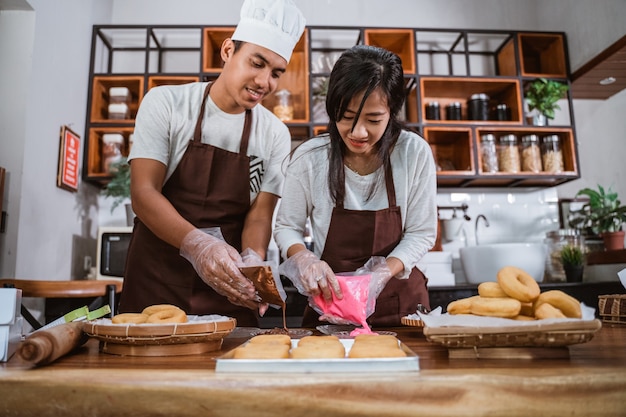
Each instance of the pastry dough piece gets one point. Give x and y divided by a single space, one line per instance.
262 351
328 350
319 340
281 339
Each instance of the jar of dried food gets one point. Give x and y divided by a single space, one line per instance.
112 144
283 108
551 154
508 154
488 153
503 112
531 154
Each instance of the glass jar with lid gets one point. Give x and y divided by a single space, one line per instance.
531 154
556 240
508 154
551 154
112 147
488 153
283 108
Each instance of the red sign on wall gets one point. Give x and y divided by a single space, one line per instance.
69 151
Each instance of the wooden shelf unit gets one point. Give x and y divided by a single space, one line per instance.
443 65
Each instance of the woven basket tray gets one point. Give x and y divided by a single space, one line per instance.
612 308
550 335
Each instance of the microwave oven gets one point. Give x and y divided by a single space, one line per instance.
112 248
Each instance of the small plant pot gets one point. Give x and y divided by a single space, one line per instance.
574 273
613 240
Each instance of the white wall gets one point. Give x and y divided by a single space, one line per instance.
43 85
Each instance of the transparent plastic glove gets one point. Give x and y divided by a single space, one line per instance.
336 320
310 275
251 258
377 267
215 261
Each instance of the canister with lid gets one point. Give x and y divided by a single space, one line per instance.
508 154
433 111
531 154
488 153
112 145
478 107
503 112
551 154
453 111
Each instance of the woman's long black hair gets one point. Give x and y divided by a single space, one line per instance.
362 68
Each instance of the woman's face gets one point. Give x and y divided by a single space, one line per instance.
369 128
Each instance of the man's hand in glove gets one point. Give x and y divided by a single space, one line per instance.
216 262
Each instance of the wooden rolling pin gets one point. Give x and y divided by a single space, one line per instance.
45 346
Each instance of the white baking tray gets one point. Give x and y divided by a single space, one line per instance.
410 363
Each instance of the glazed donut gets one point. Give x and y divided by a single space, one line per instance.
461 306
547 311
518 284
133 318
495 307
158 307
491 289
568 305
171 315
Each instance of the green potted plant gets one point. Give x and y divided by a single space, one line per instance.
118 188
603 215
542 96
573 261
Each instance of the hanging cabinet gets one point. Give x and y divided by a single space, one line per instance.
440 65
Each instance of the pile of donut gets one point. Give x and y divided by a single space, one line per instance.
155 314
516 295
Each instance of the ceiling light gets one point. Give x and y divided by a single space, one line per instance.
607 81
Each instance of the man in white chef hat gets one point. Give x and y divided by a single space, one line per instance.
206 175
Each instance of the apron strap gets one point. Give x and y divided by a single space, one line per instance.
197 133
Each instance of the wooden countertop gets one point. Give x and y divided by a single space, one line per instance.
590 382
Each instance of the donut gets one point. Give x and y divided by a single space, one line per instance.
461 306
568 305
547 311
318 340
158 307
518 284
132 318
171 315
491 289
367 350
261 351
523 317
495 307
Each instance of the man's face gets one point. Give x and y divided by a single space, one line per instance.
251 74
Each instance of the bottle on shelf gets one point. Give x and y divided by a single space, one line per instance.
283 108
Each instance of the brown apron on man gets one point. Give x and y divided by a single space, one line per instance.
210 187
354 236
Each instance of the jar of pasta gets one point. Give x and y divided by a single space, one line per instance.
283 108
508 154
488 153
531 154
551 155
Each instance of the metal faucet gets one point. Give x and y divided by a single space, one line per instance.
480 216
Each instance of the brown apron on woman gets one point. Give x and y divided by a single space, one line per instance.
210 187
354 236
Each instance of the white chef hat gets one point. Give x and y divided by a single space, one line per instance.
273 24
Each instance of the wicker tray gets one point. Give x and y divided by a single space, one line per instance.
538 335
612 308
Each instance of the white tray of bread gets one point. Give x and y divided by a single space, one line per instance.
324 354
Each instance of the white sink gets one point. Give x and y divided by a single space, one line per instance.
482 263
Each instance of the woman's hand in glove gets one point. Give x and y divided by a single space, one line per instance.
215 261
311 275
380 273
